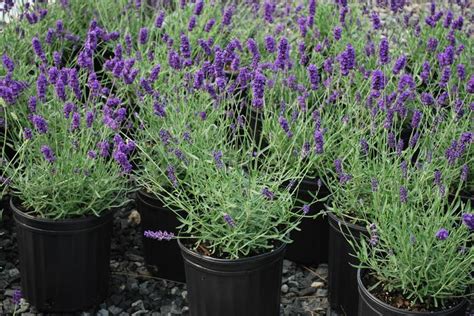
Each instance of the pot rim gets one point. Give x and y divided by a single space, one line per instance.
19 211
363 291
334 218
199 256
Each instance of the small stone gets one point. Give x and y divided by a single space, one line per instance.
307 291
322 293
115 310
184 294
174 290
103 312
317 284
134 217
140 313
13 273
139 305
185 309
284 288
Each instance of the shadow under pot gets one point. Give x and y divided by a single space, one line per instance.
369 305
310 244
64 264
162 258
342 275
234 287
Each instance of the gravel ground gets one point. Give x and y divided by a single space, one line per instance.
133 291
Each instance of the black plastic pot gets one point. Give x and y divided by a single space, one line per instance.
248 286
310 244
342 282
163 258
369 305
64 264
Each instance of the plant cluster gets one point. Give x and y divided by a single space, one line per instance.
220 110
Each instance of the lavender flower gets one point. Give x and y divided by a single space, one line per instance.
313 76
374 237
253 48
38 49
32 101
158 235
415 120
229 220
285 126
374 184
258 89
442 234
192 23
305 209
384 52
464 172
468 220
228 13
283 54
27 133
364 146
185 47
41 85
104 148
40 124
347 60
268 194
337 33
92 154
170 172
76 121
378 80
218 159
199 7
160 19
318 141
209 25
17 296
270 44
8 63
427 98
268 10
403 194
399 64
122 160
461 71
470 85
48 153
376 24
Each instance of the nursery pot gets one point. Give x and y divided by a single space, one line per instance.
247 286
163 258
310 244
342 282
369 305
64 264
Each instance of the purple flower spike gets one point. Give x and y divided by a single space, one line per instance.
48 153
17 296
27 133
229 220
121 158
374 183
209 25
104 148
468 220
285 126
313 76
403 194
8 63
318 141
228 13
464 172
268 194
160 19
170 172
76 121
40 124
218 159
374 236
38 49
415 121
258 89
470 85
159 235
378 80
384 52
305 209
442 234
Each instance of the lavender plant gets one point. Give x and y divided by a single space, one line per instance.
71 162
420 247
